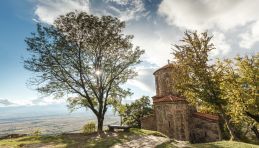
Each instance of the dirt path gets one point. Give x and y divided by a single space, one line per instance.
143 142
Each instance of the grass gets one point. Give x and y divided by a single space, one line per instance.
105 140
219 144
166 145
93 140
32 140
225 144
146 132
66 140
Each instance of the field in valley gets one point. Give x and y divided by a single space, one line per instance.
49 120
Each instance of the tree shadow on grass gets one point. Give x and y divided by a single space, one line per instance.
109 139
173 144
93 140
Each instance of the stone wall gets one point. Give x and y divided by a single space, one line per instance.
149 123
172 119
204 130
164 82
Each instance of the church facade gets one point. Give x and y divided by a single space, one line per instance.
173 115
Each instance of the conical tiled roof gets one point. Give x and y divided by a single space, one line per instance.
164 67
169 98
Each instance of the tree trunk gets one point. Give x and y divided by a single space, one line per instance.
255 117
100 123
254 129
121 120
229 127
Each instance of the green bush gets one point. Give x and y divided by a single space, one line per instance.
36 132
89 127
136 110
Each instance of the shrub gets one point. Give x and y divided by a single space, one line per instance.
36 132
89 127
137 110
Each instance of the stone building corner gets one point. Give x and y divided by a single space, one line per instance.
173 115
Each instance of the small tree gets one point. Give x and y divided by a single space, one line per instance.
135 111
83 56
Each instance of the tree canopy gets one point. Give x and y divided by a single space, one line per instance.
84 57
226 87
240 89
200 82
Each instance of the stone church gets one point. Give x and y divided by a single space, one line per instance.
173 115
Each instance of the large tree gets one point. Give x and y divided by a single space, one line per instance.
84 57
240 87
200 80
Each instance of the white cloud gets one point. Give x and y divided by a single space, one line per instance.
139 85
217 15
5 102
47 101
156 50
144 81
126 10
30 102
143 84
207 14
120 2
48 10
250 37
222 47
157 44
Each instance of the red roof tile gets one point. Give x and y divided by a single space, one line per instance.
206 116
168 98
164 67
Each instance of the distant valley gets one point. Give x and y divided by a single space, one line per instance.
51 119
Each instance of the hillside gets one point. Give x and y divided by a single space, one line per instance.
134 138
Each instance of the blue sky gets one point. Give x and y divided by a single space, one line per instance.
156 25
15 25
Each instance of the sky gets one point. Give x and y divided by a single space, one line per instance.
155 24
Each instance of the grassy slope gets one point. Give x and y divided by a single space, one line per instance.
226 144
77 140
219 144
106 140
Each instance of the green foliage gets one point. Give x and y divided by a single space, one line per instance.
89 127
228 87
240 85
83 56
132 113
240 89
200 80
